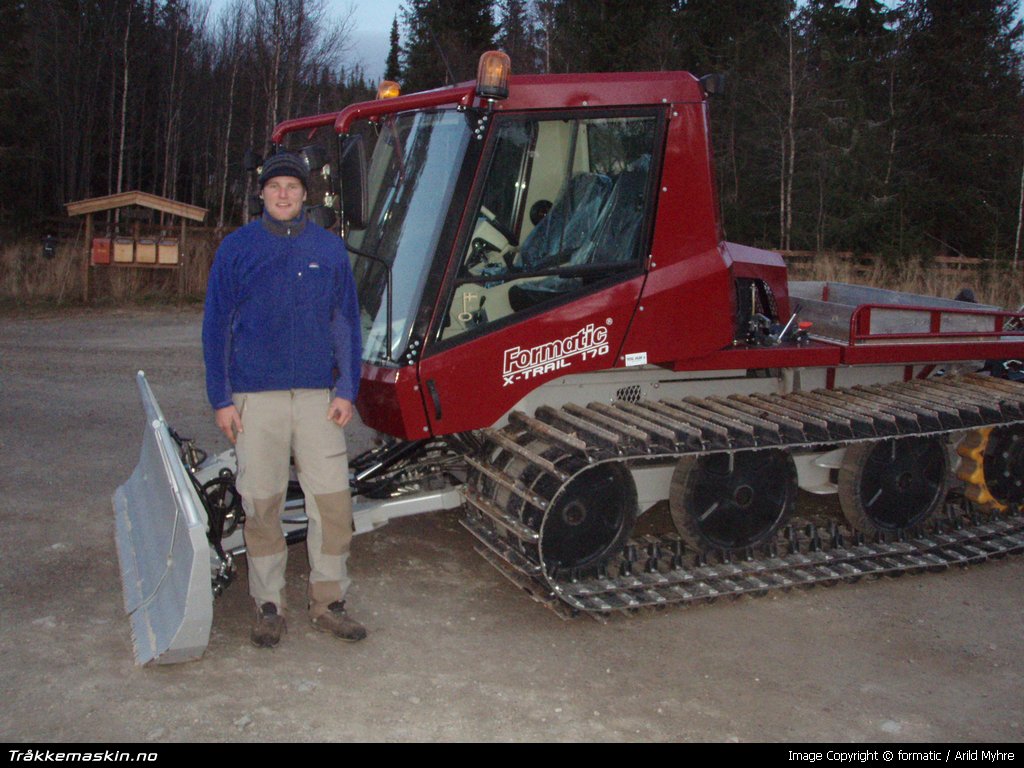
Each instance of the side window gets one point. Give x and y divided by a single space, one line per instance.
562 209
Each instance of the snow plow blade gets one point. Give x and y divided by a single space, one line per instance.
163 549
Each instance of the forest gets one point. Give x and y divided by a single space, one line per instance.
892 128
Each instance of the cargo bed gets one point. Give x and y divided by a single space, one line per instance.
858 325
869 323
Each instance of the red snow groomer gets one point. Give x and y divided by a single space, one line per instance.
557 338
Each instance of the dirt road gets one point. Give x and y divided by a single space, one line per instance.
454 652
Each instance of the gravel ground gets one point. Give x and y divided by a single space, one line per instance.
455 652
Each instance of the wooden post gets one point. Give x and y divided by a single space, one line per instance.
181 261
87 259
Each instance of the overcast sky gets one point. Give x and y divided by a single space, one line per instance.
371 27
370 34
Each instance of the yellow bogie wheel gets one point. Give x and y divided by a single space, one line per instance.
992 466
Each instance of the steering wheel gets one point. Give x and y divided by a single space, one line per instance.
503 230
479 248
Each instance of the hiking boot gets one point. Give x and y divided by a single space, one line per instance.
339 623
268 627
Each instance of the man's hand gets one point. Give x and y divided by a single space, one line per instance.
340 411
229 422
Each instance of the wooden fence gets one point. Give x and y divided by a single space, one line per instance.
866 264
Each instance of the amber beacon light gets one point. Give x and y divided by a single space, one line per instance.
492 75
388 89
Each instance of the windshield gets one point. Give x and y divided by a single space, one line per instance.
411 178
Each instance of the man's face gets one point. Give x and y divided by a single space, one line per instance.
283 197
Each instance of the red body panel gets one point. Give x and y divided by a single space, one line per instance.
611 89
745 261
815 354
390 401
688 289
480 380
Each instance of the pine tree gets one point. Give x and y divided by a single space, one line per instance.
20 112
960 128
848 200
748 42
393 66
612 35
444 41
517 36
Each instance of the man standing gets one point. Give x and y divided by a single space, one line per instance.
281 343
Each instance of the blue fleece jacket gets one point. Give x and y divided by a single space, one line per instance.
281 313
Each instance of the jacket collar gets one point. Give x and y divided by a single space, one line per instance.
291 228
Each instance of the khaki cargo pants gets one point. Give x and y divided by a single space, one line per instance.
276 426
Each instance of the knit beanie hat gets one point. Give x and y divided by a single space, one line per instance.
284 164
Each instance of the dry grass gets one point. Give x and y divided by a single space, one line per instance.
27 277
997 284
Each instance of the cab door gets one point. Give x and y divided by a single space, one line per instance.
548 270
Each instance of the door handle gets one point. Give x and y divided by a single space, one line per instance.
432 388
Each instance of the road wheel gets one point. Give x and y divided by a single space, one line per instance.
590 520
732 500
890 485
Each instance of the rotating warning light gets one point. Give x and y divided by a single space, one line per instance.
492 75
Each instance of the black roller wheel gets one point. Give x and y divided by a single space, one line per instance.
731 501
590 521
892 485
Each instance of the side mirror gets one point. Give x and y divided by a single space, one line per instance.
251 161
314 156
322 215
713 85
352 179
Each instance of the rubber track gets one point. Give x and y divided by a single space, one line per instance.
524 468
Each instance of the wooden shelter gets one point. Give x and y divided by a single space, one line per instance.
97 250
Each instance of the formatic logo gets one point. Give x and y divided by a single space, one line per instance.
520 364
